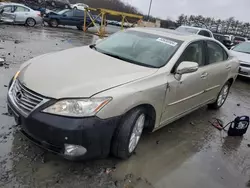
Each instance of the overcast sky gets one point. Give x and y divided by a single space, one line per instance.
222 9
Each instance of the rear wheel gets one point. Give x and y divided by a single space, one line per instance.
221 98
30 22
53 23
128 133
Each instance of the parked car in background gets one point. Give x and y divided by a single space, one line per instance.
238 39
19 14
224 40
45 5
242 52
68 17
57 4
98 99
195 30
80 6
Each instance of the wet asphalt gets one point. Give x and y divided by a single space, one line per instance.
189 153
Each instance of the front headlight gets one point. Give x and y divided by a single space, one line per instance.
78 107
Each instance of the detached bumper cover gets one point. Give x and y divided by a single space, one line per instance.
52 132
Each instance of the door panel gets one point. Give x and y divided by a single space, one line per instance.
218 68
184 95
189 92
21 14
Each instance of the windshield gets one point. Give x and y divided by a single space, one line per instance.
63 11
187 29
243 47
139 48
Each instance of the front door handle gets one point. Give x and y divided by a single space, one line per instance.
204 75
228 67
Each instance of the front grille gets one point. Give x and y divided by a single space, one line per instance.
25 100
245 65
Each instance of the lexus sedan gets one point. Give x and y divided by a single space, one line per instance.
96 100
242 52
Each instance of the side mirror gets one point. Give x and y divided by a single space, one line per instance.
1 11
187 67
232 48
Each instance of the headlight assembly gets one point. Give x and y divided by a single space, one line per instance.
78 107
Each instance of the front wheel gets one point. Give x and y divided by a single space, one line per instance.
53 23
221 98
30 22
128 133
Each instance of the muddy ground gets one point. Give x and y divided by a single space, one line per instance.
189 153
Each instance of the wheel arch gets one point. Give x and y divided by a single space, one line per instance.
150 115
231 81
30 18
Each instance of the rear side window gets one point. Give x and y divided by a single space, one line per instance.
215 53
204 33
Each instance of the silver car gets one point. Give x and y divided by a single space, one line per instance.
19 14
242 52
95 100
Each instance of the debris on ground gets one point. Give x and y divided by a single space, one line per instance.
248 145
17 41
157 142
5 86
238 104
192 123
109 170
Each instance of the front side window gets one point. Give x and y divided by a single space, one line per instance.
139 48
215 53
69 13
79 13
7 9
194 53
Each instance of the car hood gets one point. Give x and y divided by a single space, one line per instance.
78 72
241 56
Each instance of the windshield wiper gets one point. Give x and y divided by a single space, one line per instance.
128 60
92 46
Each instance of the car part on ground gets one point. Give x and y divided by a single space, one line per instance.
137 79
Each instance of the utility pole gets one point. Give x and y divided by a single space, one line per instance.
149 9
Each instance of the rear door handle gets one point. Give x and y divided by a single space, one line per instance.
204 75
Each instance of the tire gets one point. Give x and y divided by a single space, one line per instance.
222 96
125 141
53 23
30 22
80 27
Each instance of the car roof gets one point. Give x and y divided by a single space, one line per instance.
192 27
170 33
9 3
